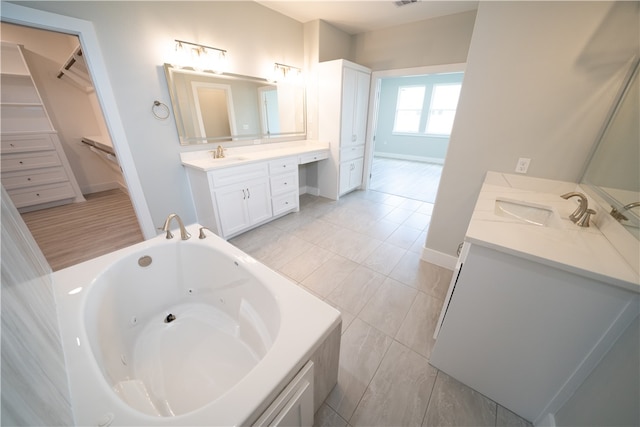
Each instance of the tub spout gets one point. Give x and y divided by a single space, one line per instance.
184 235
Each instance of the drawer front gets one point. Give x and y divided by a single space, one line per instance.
20 179
237 174
43 194
283 183
351 153
285 203
286 164
22 143
25 161
312 157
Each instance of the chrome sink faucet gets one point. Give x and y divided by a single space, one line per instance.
582 214
184 235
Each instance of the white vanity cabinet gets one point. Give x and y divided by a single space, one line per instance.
234 199
526 333
343 98
35 170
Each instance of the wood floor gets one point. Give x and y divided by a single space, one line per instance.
77 232
404 178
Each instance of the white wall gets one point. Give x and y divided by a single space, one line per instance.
35 389
333 43
70 109
136 38
526 93
443 40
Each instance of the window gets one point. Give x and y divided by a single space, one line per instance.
409 109
442 109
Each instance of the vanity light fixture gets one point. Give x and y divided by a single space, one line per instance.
287 73
200 57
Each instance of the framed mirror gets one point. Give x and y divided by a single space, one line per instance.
613 171
213 108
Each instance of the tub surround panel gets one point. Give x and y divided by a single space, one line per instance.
35 390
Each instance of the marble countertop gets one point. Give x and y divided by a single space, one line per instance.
234 156
562 244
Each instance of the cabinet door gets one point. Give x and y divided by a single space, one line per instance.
231 203
355 100
258 200
355 178
345 176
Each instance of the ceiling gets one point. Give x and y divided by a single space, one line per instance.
361 16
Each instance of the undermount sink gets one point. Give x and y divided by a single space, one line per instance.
526 212
230 159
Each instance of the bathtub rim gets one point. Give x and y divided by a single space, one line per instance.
240 404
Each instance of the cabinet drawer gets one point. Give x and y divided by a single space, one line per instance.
283 183
284 203
283 165
29 178
43 194
312 157
25 161
237 174
22 143
351 153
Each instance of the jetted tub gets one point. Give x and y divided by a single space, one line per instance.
173 332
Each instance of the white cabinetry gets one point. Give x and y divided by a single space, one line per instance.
294 406
35 170
523 333
343 97
234 199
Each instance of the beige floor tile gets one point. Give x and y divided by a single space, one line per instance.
384 258
404 236
399 392
454 404
315 231
361 351
426 277
306 263
280 251
398 215
418 245
389 306
411 204
506 418
380 230
354 246
352 293
418 220
416 331
327 417
324 280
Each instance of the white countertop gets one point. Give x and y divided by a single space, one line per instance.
563 245
234 156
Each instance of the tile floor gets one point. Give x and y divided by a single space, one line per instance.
362 255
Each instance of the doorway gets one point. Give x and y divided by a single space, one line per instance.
409 127
107 220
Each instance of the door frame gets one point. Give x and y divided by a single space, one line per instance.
374 104
84 30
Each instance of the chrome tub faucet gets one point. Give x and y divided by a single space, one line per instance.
184 235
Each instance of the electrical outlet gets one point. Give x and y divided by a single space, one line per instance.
523 165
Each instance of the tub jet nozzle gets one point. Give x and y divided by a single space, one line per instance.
170 318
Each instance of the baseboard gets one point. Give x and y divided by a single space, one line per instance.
409 157
439 258
104 186
309 190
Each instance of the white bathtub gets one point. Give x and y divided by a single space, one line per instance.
202 335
